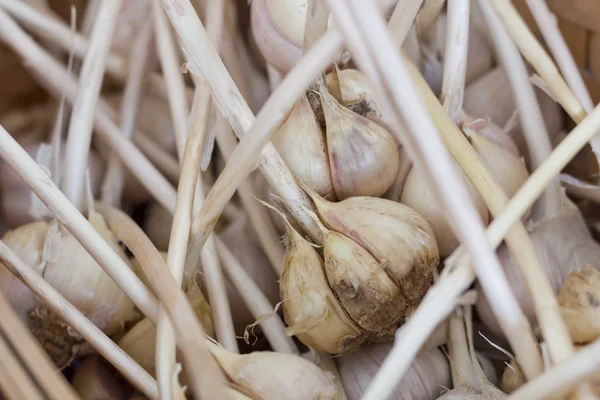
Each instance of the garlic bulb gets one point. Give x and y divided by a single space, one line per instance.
19 205
140 341
507 168
275 376
353 90
580 304
419 197
278 30
563 244
396 235
491 132
426 378
310 308
50 249
512 378
363 156
479 54
302 146
93 381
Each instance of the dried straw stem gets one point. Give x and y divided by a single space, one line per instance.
112 186
80 228
135 374
428 15
402 18
206 378
258 304
455 65
535 54
14 334
386 69
546 21
58 82
317 16
81 124
563 377
553 328
259 217
204 62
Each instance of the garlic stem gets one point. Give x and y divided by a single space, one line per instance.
58 82
207 381
402 18
317 16
455 65
428 15
88 331
141 54
76 223
79 135
256 301
259 217
463 372
546 22
535 54
448 184
553 327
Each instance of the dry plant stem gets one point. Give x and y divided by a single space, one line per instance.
82 116
258 215
206 379
563 377
80 228
112 187
270 322
170 65
15 378
32 355
88 331
535 54
204 62
377 57
58 82
455 66
553 328
402 18
317 16
428 15
546 21
463 373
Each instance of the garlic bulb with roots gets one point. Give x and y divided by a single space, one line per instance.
273 376
563 244
379 258
479 54
363 156
417 195
49 249
426 378
19 204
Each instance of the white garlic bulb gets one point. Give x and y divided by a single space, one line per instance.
419 197
426 378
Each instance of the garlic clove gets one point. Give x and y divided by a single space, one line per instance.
509 170
419 197
93 381
426 378
363 287
301 144
396 235
491 132
310 308
363 156
273 376
579 301
353 90
563 244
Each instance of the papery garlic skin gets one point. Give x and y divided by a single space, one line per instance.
563 244
491 132
363 156
489 392
301 144
579 301
419 197
426 378
396 235
310 308
363 287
